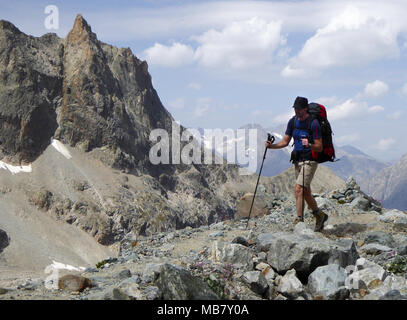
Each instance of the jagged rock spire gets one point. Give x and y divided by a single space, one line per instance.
81 30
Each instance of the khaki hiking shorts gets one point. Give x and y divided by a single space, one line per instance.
310 168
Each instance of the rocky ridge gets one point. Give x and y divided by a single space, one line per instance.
361 255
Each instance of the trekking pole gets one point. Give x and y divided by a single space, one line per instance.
303 188
271 139
303 183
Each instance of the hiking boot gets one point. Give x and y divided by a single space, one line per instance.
298 219
321 218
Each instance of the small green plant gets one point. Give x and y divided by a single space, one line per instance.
341 201
101 264
398 265
216 285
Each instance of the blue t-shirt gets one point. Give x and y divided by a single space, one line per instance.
301 129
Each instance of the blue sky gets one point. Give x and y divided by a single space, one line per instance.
223 64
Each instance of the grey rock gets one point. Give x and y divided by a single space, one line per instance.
152 293
256 281
151 272
262 256
328 282
177 283
343 252
232 253
124 274
393 295
290 286
367 274
265 240
216 234
240 240
4 240
380 237
112 294
402 249
304 253
374 248
360 203
337 196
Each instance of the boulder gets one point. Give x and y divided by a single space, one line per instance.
343 252
4 240
380 237
305 253
329 282
74 283
243 207
233 253
240 240
366 275
256 281
290 286
374 248
176 283
266 270
402 248
360 203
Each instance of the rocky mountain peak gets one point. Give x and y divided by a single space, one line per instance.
81 31
6 25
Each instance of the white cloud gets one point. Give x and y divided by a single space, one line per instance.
169 56
385 144
352 38
351 108
404 89
375 109
240 45
376 88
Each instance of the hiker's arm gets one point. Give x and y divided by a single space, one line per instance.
282 144
317 145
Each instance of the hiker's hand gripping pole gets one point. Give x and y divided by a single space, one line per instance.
271 139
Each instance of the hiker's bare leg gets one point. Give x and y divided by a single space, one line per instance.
298 199
307 197
310 199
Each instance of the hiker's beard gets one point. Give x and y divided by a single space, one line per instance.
301 114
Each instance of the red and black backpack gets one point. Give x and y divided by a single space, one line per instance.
318 112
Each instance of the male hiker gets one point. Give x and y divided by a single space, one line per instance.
307 138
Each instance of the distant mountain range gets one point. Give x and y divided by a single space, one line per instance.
390 185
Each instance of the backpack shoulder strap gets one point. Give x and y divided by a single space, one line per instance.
294 120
